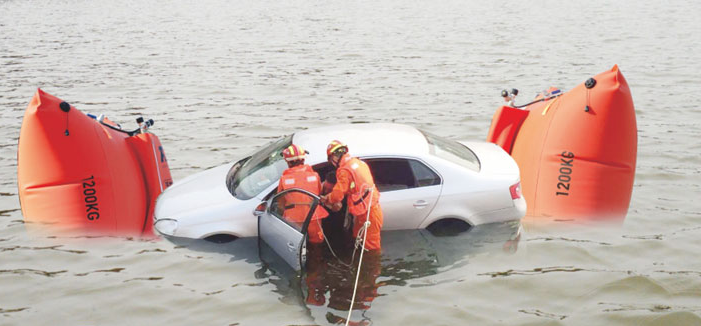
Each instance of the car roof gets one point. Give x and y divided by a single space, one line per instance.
363 139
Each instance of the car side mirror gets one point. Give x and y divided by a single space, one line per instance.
260 209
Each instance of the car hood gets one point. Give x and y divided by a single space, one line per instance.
201 190
493 159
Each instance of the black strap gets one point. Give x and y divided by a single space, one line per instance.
357 202
130 133
290 206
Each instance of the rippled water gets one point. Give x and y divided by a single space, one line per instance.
221 78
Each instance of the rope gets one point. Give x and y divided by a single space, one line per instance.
539 100
364 229
329 246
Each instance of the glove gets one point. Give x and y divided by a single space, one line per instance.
335 207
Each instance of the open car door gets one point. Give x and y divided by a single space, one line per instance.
286 233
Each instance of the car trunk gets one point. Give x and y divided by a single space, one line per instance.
493 159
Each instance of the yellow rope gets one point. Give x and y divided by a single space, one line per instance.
548 106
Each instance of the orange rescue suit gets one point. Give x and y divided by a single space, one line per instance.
296 205
355 180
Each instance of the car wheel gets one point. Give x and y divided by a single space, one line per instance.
448 227
221 238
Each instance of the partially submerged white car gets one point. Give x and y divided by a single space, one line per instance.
424 180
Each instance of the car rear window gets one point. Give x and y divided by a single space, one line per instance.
424 176
452 151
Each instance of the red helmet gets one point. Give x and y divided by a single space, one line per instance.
294 153
335 145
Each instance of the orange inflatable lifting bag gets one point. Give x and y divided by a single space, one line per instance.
576 152
92 178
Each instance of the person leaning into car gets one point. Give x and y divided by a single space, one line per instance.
296 205
353 178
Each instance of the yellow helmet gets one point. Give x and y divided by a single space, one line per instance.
294 153
335 145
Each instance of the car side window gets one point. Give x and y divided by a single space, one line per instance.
424 175
277 206
397 174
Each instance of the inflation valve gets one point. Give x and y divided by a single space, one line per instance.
590 83
65 107
144 125
510 97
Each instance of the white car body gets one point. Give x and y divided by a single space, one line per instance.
201 206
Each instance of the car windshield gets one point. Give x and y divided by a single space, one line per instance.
452 151
248 178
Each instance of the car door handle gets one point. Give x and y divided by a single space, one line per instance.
291 246
420 204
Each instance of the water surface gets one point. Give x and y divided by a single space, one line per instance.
222 78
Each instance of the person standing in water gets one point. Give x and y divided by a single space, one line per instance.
354 181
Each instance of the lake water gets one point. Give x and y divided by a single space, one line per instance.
221 78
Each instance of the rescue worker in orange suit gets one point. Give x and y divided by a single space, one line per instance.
355 182
296 208
296 205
